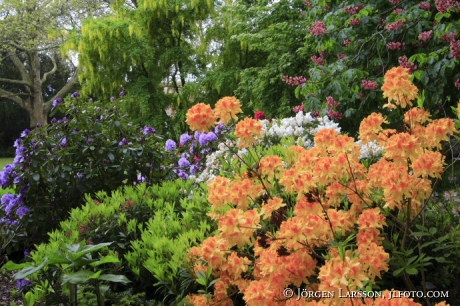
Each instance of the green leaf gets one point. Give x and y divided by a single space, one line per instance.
11 266
79 277
58 258
29 270
29 299
114 278
399 271
106 259
412 271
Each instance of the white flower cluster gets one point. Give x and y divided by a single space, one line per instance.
302 127
370 149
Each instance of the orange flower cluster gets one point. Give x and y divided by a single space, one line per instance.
398 87
200 117
272 226
227 108
248 131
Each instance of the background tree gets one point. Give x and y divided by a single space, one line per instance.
357 42
31 31
146 49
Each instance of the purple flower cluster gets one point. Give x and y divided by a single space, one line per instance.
149 130
57 101
194 147
75 95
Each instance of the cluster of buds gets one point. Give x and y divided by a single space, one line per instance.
396 45
297 81
396 25
404 62
353 10
369 85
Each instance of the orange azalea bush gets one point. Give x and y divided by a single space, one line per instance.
314 219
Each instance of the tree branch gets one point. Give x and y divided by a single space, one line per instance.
11 96
21 82
52 71
20 65
64 90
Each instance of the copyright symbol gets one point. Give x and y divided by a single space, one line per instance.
288 293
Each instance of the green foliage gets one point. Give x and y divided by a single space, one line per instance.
94 148
73 266
151 227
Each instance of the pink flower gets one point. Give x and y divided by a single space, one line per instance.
341 56
449 37
457 83
334 115
259 115
347 42
297 81
444 6
353 10
398 11
369 85
396 25
395 2
318 60
318 28
314 113
298 108
425 35
307 3
425 6
404 62
331 103
354 22
455 49
396 45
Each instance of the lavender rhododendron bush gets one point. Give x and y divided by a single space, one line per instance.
94 147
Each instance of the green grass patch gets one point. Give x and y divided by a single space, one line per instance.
4 161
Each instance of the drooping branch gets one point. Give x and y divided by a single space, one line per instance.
52 71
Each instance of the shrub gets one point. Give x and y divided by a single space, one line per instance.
151 228
94 147
319 220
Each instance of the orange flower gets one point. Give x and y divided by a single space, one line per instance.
271 206
402 146
236 265
370 127
200 117
397 87
429 163
198 299
218 192
438 130
227 108
325 137
371 218
416 117
247 131
268 165
243 191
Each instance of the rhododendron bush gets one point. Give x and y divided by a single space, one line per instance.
316 218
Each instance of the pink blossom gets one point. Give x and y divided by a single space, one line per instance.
425 35
314 113
404 62
444 6
449 37
297 81
396 25
331 103
369 85
307 3
347 42
341 56
398 11
318 60
455 49
354 22
298 108
395 2
425 6
457 83
396 45
353 10
318 28
334 115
